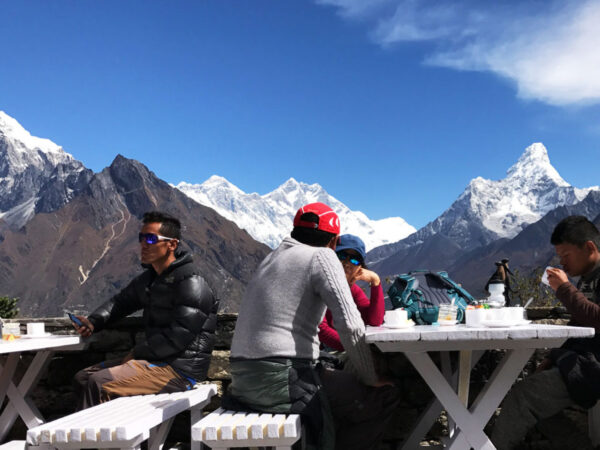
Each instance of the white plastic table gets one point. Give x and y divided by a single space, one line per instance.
520 343
19 403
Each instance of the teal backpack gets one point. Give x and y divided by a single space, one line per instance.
421 293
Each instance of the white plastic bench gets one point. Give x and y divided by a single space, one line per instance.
122 423
594 424
223 429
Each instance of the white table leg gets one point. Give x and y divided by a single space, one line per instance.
448 398
18 404
7 372
433 410
495 390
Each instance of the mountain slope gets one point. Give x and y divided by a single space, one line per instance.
527 251
268 218
79 255
488 210
36 175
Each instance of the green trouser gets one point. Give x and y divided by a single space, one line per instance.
337 409
283 386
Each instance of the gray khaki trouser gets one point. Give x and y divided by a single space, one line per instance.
537 397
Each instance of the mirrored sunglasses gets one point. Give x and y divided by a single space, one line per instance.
151 238
343 256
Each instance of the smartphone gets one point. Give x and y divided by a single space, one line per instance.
75 320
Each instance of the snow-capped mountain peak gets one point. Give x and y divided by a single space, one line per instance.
492 209
24 142
268 218
35 173
534 166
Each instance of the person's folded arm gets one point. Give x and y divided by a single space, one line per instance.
329 282
329 336
371 309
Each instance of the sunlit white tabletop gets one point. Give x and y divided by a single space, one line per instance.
452 389
19 403
26 344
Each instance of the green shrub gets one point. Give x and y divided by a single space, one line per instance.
526 286
8 307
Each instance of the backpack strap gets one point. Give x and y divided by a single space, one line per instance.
443 276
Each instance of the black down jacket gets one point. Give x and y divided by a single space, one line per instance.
180 316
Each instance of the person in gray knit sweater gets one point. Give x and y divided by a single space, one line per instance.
275 347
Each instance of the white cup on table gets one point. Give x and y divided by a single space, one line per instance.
36 328
475 317
515 313
395 317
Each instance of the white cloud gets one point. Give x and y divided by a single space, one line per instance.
549 49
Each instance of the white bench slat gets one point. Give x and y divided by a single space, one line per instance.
243 427
291 426
101 416
257 429
210 428
44 434
225 429
124 419
163 408
275 426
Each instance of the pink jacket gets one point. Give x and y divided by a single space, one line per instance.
371 311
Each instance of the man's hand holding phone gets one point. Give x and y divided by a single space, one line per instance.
83 326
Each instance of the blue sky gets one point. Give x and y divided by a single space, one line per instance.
392 105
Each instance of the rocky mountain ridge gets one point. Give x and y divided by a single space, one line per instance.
68 236
36 175
268 218
489 210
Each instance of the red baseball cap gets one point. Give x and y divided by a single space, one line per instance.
328 219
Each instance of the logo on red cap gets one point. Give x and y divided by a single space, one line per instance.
328 219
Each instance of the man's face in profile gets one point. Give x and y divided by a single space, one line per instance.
153 253
575 260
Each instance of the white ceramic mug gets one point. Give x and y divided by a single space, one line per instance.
497 314
474 317
395 317
36 328
514 313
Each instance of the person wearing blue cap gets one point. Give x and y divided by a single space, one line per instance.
351 252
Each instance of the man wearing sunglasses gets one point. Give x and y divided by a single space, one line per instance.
179 311
275 346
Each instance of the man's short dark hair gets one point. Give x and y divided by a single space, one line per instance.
312 236
575 230
169 225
